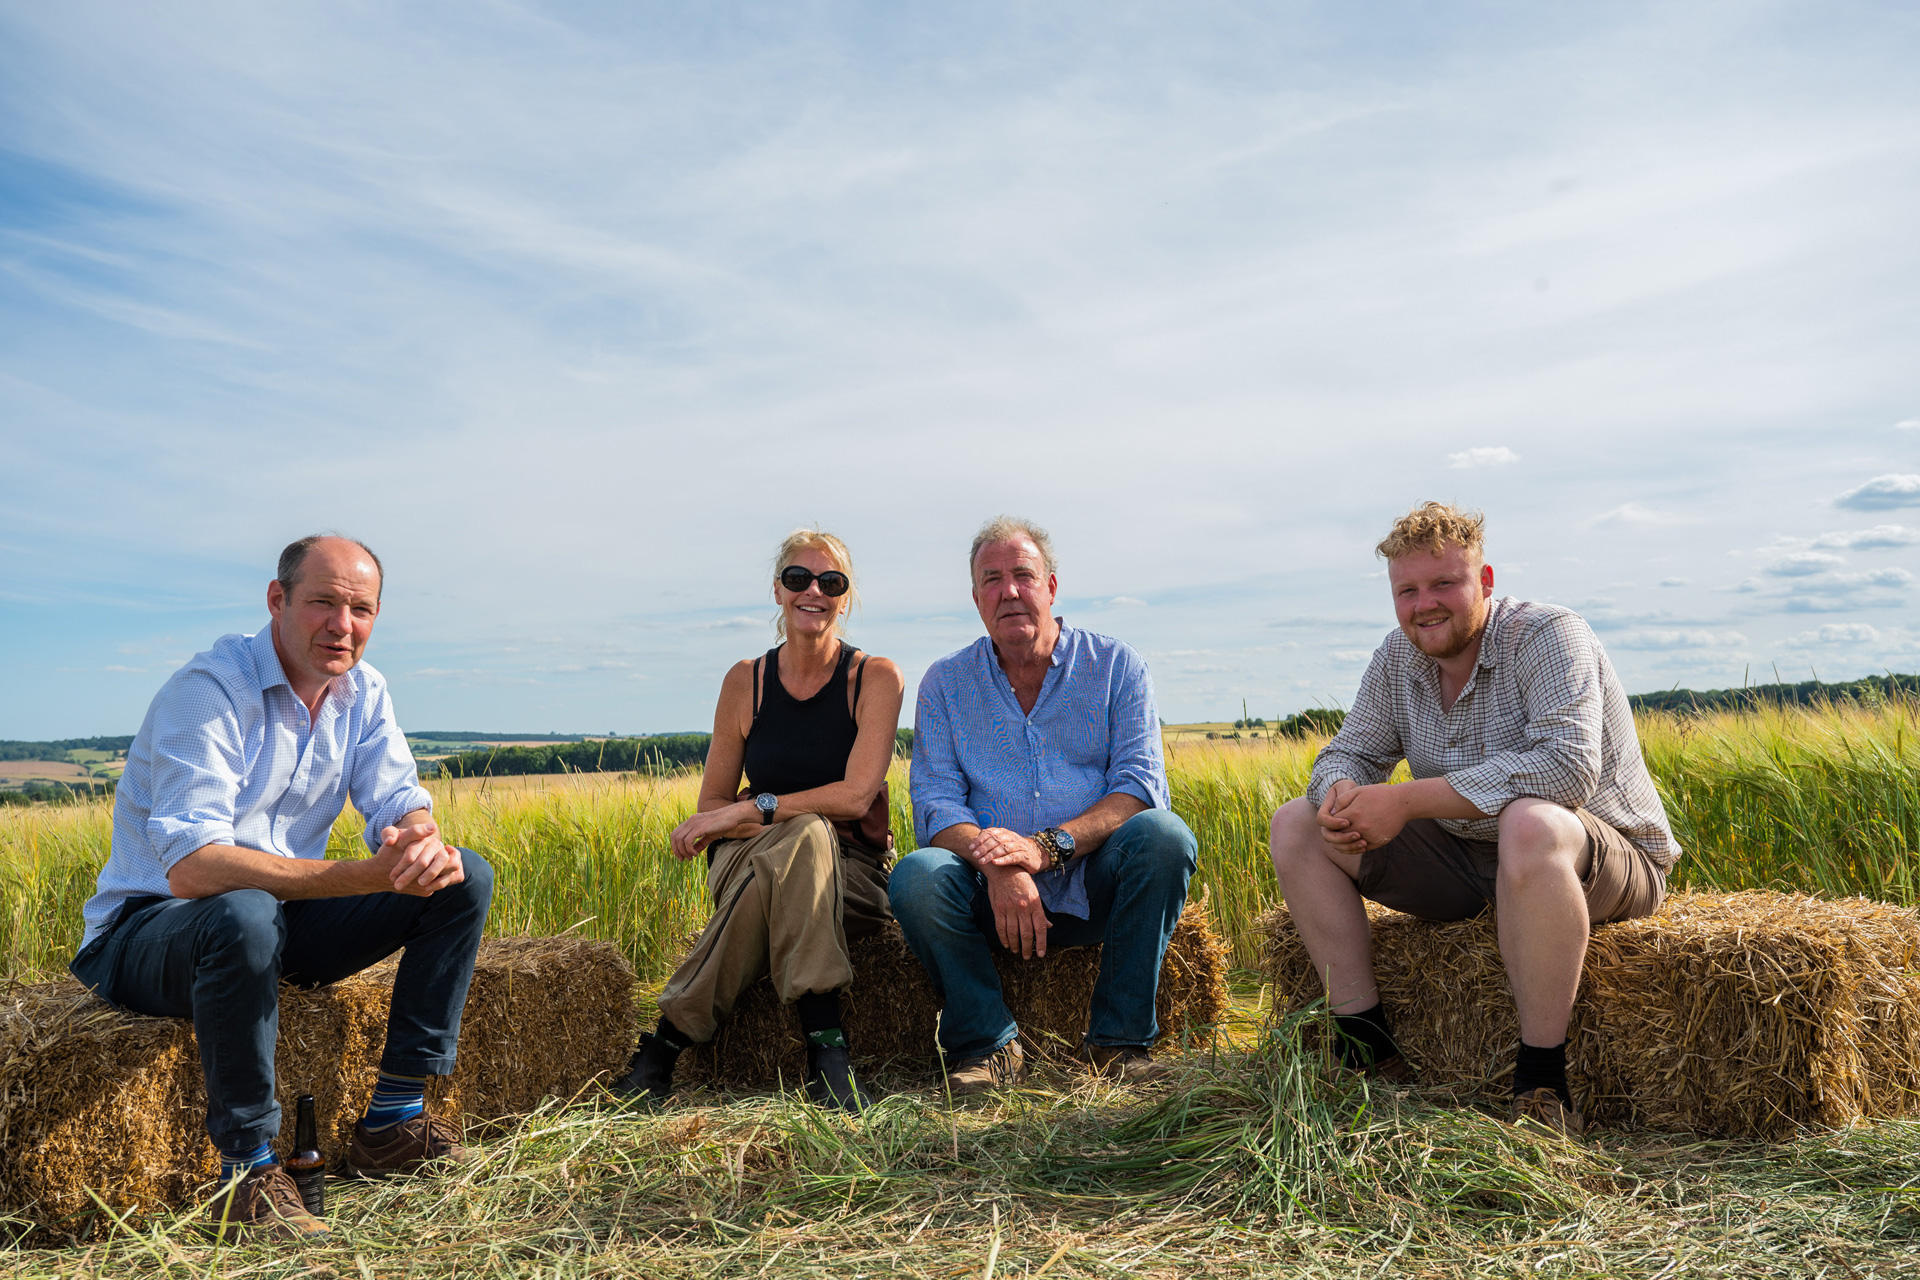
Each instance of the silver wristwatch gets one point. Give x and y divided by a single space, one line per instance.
766 802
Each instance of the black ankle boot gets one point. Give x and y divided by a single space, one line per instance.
830 1080
649 1075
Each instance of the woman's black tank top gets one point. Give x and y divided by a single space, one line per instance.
794 745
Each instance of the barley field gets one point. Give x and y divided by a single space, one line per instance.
1825 800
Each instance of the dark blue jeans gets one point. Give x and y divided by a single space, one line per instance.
220 961
1136 885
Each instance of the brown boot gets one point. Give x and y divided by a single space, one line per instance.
265 1205
424 1144
1004 1068
1127 1063
1544 1107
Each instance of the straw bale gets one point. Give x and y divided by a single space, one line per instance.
890 1009
93 1097
1747 1014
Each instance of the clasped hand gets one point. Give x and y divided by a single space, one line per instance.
1010 860
691 838
1354 818
417 861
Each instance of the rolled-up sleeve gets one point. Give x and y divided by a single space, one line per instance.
384 783
1560 681
198 760
939 786
1136 765
1368 745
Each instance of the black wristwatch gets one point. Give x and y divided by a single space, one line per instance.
766 802
1057 844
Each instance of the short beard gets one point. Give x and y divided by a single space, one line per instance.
1463 638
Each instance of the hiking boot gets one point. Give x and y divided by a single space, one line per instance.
830 1080
1004 1068
649 1078
265 1205
1544 1107
424 1144
1127 1063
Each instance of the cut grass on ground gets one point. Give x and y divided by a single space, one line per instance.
1252 1163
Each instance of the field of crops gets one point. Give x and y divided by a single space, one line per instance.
1253 1162
1826 800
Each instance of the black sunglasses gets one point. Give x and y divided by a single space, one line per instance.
797 578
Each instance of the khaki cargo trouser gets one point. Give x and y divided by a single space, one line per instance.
785 903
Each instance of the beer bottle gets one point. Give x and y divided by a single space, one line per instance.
305 1163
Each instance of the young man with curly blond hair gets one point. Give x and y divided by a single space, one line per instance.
1528 792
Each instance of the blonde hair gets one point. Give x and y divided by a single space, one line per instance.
816 539
1006 529
1432 527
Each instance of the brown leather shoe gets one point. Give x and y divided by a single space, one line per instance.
1004 1068
1544 1108
1127 1063
265 1205
424 1144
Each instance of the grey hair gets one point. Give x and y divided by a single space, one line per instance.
1007 528
296 555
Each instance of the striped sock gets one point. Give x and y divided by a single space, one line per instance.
395 1098
240 1163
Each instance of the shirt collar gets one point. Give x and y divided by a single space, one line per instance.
268 671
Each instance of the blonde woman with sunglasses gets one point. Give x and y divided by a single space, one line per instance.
797 858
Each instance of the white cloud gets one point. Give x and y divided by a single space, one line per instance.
1676 582
1882 493
1881 535
1802 564
1680 639
739 622
1907 424
1351 655
1496 456
1636 515
1836 633
1876 578
1126 602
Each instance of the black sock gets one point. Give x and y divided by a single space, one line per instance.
671 1036
1364 1037
820 1018
1542 1069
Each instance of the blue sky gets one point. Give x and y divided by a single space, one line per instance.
573 310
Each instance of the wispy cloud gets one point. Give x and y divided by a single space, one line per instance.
1653 638
1801 564
1836 633
1635 515
1496 456
1879 537
1882 493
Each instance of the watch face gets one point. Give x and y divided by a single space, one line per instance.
766 802
1063 838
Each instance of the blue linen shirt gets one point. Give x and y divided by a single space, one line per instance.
978 758
226 755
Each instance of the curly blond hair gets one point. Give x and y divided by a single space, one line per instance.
1432 527
817 539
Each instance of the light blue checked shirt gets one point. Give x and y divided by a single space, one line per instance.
978 758
226 756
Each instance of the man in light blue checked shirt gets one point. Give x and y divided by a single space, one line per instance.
1040 803
218 886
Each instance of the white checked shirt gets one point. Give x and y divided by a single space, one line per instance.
226 756
1542 715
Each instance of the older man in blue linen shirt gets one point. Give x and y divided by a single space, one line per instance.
1040 800
218 886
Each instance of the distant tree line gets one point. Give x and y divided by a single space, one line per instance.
448 735
1868 689
39 792
654 753
58 748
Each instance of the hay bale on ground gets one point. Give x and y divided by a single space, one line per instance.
1746 1014
890 1008
94 1098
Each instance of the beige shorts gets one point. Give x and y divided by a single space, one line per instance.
1429 872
